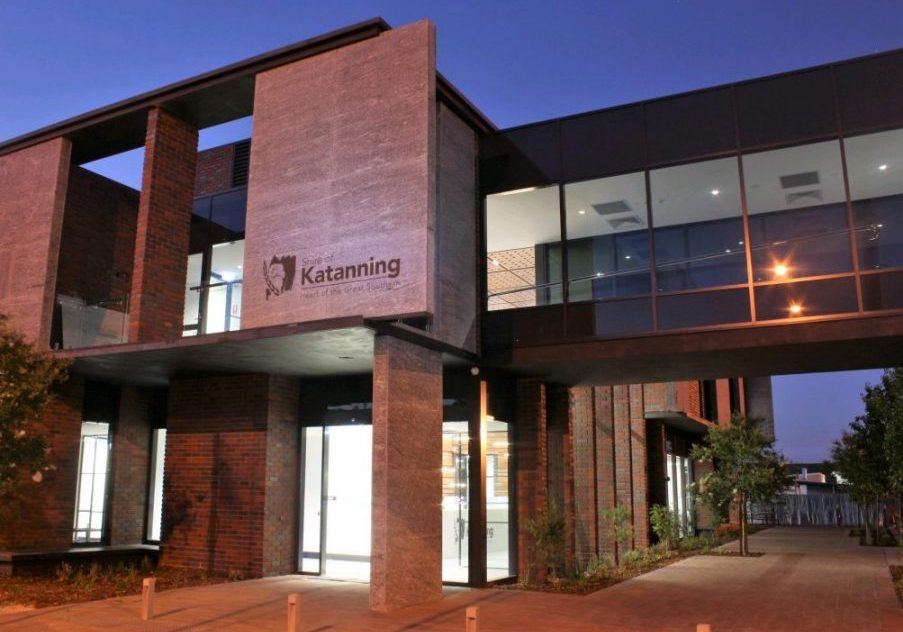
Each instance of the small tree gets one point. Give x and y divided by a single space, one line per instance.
26 379
619 526
869 456
747 468
665 525
547 531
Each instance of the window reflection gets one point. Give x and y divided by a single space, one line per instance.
698 225
875 171
608 242
797 212
523 255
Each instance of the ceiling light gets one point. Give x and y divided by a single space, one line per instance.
739 243
796 309
582 212
600 274
882 167
715 191
495 262
627 256
516 191
727 251
780 270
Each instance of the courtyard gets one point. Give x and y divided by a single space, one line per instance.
809 579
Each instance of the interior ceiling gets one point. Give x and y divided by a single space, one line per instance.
683 194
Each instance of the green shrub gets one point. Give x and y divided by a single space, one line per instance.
547 531
665 524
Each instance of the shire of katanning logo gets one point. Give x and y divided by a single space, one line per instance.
279 275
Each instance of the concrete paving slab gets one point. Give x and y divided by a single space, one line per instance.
809 580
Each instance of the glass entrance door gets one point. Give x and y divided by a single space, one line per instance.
335 527
455 501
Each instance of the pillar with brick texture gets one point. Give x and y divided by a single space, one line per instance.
406 538
530 445
164 219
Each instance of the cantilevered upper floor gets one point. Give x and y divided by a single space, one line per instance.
714 232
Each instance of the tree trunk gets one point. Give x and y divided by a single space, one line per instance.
744 544
868 529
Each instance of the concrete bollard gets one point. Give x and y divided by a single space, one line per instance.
470 619
147 598
294 613
703 627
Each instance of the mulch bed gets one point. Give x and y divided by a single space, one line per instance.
896 572
588 585
97 583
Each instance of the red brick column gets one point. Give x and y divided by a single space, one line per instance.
638 465
280 520
530 443
164 219
406 551
606 497
583 437
131 457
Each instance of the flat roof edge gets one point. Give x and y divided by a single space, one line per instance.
243 68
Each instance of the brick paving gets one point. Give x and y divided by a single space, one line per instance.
809 580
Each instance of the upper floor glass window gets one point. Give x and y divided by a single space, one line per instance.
608 241
875 171
698 232
91 486
797 212
523 248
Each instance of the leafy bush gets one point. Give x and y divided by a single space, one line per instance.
665 524
618 524
547 531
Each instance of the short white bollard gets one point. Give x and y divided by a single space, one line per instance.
470 620
294 613
147 598
703 627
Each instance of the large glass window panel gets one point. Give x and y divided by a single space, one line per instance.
455 501
698 225
155 493
223 311
193 290
227 218
346 487
523 253
498 533
882 291
875 171
608 242
698 309
812 298
312 494
797 212
91 483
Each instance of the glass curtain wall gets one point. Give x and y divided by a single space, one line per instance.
215 264
91 489
336 484
155 493
455 501
755 235
498 500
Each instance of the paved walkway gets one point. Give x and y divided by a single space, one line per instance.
809 580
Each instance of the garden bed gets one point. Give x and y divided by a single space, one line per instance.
896 573
602 575
70 585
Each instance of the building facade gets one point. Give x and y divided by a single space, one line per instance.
377 337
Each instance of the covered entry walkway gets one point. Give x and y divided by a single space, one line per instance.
810 579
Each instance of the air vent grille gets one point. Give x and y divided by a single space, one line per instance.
793 180
241 161
612 208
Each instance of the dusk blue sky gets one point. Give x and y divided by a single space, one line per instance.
518 61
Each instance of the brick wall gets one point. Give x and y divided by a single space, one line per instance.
130 464
43 515
164 219
215 474
280 554
32 193
214 170
583 436
530 444
98 242
560 463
